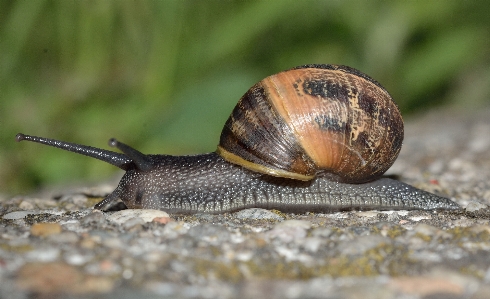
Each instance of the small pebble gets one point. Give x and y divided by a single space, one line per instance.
162 220
71 225
338 215
104 267
44 254
174 229
77 259
17 215
420 217
312 244
26 205
96 217
474 206
287 234
257 213
45 229
145 214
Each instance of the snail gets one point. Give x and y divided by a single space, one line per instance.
313 138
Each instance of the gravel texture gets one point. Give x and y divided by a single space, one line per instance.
57 246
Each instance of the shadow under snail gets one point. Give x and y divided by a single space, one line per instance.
313 138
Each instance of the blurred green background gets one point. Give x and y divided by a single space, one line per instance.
163 76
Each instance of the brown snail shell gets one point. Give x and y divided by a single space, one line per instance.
315 120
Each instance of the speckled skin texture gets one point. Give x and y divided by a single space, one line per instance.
213 185
207 183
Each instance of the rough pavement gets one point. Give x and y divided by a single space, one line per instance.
53 244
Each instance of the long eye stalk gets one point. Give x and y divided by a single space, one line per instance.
120 160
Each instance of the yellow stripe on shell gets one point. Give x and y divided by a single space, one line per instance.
232 158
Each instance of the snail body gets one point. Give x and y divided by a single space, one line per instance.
313 138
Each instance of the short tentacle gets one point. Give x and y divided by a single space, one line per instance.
140 160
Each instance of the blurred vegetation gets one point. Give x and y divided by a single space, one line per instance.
164 75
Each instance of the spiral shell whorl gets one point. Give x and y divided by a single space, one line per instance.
315 119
